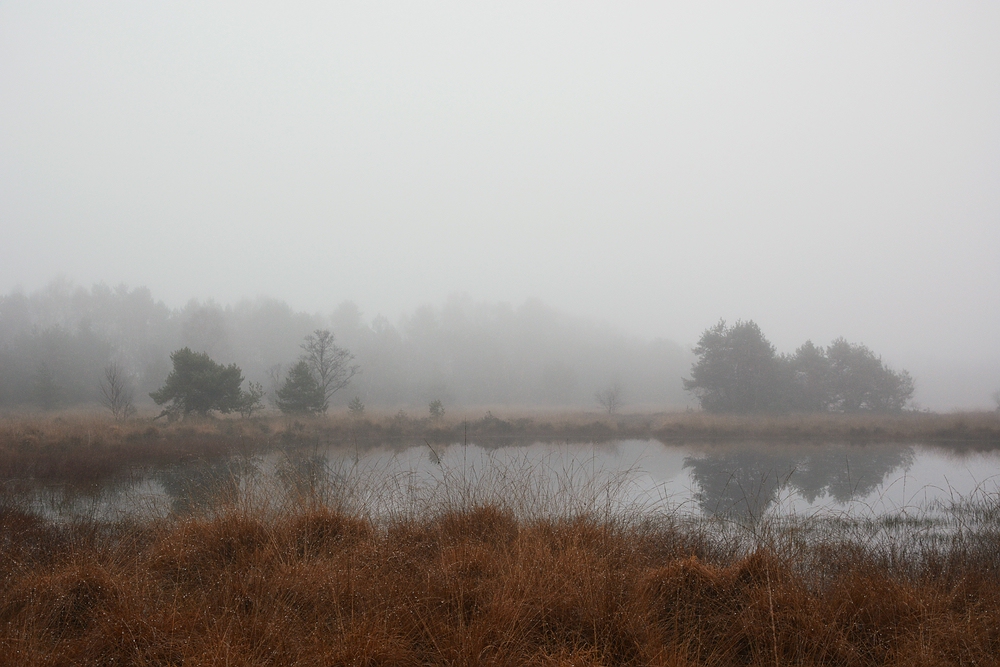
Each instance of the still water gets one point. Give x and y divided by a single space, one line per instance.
749 480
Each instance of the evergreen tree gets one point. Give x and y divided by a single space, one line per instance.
197 385
301 393
806 382
861 382
736 370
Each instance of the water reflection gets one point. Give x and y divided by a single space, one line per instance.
203 484
746 482
65 500
304 473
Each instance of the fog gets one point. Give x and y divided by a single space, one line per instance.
55 343
825 169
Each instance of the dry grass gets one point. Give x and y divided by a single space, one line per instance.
315 586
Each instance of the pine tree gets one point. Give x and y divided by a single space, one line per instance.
301 393
198 385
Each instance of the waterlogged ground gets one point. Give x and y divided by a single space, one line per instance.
407 551
748 481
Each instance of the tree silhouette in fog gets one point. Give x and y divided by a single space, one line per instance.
56 342
198 385
860 381
738 371
301 393
330 364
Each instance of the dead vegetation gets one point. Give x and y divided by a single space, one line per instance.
479 585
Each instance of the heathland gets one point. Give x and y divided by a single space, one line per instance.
502 573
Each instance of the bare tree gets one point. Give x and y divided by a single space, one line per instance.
331 364
611 399
996 399
275 378
117 392
251 400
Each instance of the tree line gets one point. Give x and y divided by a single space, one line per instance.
65 345
57 343
738 370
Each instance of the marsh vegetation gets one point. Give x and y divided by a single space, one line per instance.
522 563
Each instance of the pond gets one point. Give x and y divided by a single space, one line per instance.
748 481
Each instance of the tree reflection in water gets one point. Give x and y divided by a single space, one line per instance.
745 482
200 485
307 475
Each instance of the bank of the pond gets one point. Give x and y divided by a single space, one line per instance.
81 448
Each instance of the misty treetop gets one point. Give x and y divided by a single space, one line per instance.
738 370
56 343
330 363
198 385
323 369
301 392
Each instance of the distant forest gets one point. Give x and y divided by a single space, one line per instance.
55 344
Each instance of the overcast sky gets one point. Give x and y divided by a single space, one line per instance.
825 169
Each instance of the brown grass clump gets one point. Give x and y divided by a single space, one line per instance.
316 586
